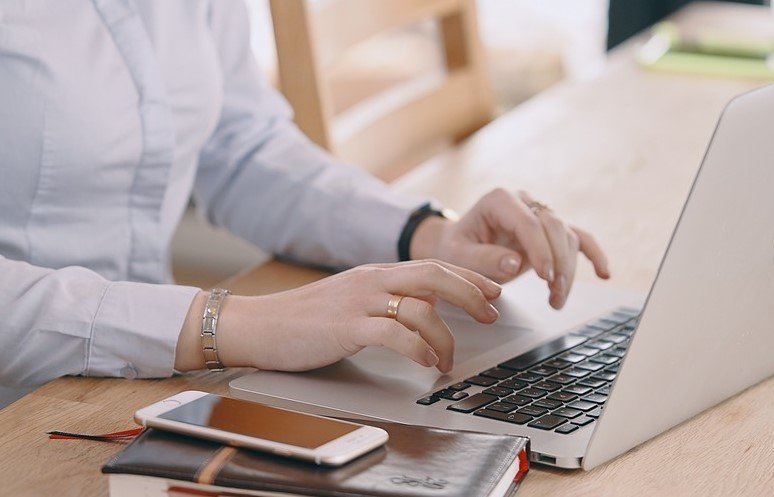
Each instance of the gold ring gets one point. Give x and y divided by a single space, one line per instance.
392 306
538 207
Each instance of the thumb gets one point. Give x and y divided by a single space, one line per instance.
494 261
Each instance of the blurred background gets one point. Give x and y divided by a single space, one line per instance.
527 46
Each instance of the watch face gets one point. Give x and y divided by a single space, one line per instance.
450 215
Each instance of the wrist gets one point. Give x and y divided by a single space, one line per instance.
189 353
413 245
426 241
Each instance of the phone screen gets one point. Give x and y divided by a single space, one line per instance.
256 420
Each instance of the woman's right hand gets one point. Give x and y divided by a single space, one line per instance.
323 322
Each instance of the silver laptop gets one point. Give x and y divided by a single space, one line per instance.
611 370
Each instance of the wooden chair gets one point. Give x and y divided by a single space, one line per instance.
386 133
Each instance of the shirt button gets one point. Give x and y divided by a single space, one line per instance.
129 372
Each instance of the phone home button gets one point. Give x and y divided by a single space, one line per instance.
171 402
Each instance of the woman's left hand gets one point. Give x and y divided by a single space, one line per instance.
504 235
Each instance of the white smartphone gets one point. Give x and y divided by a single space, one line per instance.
247 424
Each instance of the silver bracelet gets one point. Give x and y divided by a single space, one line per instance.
210 327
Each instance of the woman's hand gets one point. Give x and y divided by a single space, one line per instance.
501 237
323 322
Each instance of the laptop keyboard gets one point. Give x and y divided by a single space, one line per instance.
561 385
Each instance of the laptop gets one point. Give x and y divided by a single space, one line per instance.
612 369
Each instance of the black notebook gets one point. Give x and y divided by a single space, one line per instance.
416 461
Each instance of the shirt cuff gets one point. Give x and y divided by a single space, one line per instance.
136 328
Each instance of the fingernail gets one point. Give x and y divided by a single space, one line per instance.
510 264
561 284
493 287
431 359
493 313
549 270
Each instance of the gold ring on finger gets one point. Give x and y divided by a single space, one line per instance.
538 207
392 306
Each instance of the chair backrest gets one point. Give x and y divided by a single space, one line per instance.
385 130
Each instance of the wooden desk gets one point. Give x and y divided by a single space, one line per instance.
616 155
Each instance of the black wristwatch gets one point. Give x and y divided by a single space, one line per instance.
413 222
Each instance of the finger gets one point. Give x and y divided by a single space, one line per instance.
489 288
497 262
556 231
591 249
419 316
574 243
430 278
390 333
512 216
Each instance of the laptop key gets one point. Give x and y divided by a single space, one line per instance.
604 391
557 364
588 332
459 386
630 311
605 359
572 357
587 351
519 400
547 422
594 413
547 385
426 401
566 412
582 421
576 372
532 393
599 344
613 369
543 370
473 402
513 383
562 396
499 391
498 373
547 403
532 411
603 323
562 379
590 366
616 352
616 338
514 417
450 394
529 377
502 407
545 351
577 390
582 405
588 382
481 381
596 398
565 429
617 317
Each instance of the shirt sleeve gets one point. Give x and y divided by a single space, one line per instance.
71 321
261 178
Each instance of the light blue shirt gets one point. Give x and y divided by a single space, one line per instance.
112 113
